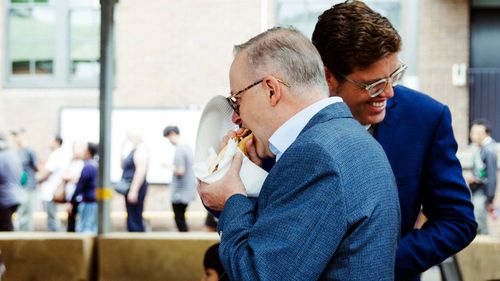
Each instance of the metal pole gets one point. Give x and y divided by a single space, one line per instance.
105 107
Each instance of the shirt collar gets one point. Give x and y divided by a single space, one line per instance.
286 134
486 141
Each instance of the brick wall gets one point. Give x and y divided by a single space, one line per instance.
168 54
444 41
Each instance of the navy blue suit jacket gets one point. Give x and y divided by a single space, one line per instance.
328 210
417 137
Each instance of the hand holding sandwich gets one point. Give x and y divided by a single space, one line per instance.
215 195
246 144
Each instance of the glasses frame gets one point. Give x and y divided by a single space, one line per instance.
233 98
368 87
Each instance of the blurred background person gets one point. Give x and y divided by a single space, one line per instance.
210 223
183 181
10 187
29 161
70 176
50 178
135 168
483 182
85 193
213 267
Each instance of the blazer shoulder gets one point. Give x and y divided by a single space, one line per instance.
414 100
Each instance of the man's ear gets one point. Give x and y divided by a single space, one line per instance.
333 84
275 91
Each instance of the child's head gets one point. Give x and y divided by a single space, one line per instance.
213 267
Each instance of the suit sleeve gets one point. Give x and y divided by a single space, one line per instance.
446 204
491 166
299 226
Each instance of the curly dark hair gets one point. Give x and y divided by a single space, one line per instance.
350 35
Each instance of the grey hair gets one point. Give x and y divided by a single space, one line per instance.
287 53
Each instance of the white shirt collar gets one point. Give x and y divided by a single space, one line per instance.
286 134
486 141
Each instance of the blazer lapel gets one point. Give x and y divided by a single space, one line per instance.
384 133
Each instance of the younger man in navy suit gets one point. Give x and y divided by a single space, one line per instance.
359 48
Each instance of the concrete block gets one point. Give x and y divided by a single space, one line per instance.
480 261
153 256
47 256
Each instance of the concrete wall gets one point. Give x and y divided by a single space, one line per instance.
153 257
47 256
120 257
480 260
158 256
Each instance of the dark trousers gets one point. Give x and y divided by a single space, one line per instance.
135 222
180 218
72 217
210 222
6 218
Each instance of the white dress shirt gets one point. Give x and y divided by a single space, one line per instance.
286 134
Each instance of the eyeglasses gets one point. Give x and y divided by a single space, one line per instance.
233 98
376 88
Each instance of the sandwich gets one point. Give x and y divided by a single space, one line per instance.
241 140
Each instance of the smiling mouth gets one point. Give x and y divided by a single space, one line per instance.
378 104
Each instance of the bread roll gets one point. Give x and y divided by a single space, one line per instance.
241 141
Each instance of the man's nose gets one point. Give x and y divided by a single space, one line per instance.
388 91
236 119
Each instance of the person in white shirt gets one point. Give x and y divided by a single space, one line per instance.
49 178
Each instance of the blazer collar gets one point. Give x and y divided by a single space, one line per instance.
333 111
384 132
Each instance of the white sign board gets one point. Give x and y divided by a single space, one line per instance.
82 124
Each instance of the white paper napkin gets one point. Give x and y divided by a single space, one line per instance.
251 175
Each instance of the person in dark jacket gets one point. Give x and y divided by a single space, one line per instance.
10 184
85 192
483 183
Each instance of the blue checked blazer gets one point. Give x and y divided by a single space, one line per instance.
417 137
328 210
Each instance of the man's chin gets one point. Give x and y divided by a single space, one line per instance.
373 119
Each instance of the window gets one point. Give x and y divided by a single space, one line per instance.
84 54
303 14
52 43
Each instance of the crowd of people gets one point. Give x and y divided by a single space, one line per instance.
70 180
63 178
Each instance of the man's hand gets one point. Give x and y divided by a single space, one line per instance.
215 195
252 153
250 146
